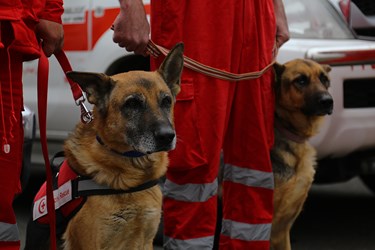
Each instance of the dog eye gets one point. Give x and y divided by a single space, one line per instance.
324 79
133 103
166 102
302 80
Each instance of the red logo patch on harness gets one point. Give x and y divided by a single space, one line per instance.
62 195
42 205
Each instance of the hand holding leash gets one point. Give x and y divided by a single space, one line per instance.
155 51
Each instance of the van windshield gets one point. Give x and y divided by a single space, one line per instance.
315 19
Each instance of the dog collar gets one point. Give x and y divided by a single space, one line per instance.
131 154
289 134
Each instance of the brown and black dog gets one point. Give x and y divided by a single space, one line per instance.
302 101
133 112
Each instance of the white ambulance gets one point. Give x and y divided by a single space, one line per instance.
319 30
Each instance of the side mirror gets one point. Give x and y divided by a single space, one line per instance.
358 18
346 10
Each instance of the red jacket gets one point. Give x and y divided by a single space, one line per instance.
23 16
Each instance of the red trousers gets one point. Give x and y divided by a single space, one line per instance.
11 132
214 116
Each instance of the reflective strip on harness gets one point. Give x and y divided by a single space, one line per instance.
89 185
62 195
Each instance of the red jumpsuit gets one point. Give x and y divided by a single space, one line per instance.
18 43
214 116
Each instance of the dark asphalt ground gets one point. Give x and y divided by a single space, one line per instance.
335 217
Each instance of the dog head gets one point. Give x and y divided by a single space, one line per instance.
302 86
134 110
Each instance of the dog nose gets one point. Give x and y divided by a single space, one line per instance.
326 103
164 135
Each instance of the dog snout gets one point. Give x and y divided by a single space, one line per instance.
164 136
318 104
326 104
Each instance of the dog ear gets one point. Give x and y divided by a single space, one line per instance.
326 67
279 69
95 85
171 68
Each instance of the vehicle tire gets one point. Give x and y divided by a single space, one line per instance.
369 181
129 63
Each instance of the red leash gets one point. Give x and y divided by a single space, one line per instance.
43 69
86 117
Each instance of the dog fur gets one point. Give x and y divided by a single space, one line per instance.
302 101
132 111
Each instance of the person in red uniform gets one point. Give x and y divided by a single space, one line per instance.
214 116
23 24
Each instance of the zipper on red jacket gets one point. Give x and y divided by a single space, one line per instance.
12 118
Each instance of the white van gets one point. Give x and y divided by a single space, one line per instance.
89 47
319 31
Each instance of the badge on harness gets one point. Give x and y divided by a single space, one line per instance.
62 195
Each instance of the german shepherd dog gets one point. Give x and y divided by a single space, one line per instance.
302 101
133 112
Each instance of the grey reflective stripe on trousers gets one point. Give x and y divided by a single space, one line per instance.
190 192
248 177
190 244
9 232
244 231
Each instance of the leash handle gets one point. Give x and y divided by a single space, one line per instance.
86 115
155 50
43 69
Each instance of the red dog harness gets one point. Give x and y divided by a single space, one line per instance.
70 193
64 199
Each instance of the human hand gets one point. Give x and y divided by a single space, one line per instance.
131 27
52 36
282 30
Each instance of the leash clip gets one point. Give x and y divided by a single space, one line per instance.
86 115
